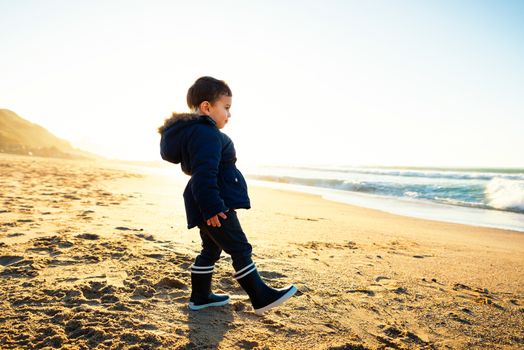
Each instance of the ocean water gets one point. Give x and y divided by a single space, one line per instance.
481 197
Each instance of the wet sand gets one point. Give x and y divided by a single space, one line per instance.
94 255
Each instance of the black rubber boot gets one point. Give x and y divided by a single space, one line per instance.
262 296
201 296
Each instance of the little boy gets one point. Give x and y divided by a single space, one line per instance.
214 192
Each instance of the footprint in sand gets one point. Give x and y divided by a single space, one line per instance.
145 236
380 278
89 236
318 245
459 319
98 290
396 335
7 260
367 292
478 295
246 344
62 262
401 290
21 268
155 256
349 346
422 256
169 282
50 245
143 291
125 228
387 284
271 274
25 220
15 234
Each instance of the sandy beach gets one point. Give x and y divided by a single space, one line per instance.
96 256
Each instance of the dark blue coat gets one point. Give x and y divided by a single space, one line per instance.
209 157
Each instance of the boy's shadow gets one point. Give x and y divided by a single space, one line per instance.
208 326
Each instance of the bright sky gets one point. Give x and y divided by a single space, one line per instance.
423 83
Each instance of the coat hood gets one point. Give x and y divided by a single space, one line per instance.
178 117
174 135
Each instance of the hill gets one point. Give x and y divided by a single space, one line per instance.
20 136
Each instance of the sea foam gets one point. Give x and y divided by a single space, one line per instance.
505 194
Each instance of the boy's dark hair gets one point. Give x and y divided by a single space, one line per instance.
206 89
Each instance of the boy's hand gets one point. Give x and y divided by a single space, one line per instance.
214 221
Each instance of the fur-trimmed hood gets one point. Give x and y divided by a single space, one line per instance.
180 117
174 135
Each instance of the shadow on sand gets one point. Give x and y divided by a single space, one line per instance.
208 326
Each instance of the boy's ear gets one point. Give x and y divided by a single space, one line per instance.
204 106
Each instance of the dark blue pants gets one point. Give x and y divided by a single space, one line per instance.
229 238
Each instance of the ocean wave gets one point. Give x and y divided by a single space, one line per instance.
461 203
465 192
498 193
451 174
505 194
319 182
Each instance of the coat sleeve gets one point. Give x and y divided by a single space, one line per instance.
205 148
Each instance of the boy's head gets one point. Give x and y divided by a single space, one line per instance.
211 97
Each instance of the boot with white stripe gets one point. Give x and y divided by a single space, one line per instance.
201 296
262 296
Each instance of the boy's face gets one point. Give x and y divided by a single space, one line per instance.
218 111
